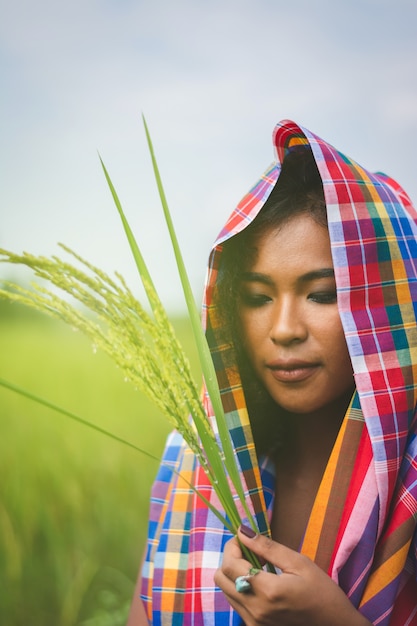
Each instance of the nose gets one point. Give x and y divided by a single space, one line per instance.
288 324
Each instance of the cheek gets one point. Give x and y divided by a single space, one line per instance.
253 330
330 327
249 340
339 352
248 347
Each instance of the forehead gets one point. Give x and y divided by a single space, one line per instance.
300 242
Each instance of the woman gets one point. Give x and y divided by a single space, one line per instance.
309 313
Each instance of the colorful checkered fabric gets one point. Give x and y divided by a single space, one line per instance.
367 543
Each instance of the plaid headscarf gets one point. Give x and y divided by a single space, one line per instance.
367 543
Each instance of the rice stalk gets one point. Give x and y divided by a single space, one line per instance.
144 346
201 343
121 328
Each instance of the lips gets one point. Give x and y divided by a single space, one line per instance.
292 371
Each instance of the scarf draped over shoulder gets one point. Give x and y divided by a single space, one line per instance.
362 528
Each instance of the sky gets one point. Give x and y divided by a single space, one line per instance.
212 79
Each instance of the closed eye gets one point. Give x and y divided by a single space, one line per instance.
254 300
323 297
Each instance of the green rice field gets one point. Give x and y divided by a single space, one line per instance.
73 503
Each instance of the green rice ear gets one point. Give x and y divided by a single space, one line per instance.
144 347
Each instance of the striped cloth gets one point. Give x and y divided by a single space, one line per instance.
362 529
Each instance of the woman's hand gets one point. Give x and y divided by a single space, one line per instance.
302 594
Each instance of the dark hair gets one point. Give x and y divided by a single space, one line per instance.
298 190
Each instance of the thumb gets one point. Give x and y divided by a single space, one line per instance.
269 550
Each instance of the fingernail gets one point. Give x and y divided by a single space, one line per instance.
248 532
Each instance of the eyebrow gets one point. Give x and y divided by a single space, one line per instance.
258 277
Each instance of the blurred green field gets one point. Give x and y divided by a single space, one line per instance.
73 503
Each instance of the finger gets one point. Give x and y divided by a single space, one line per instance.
234 564
232 549
236 600
231 586
271 551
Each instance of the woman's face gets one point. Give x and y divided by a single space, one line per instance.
291 327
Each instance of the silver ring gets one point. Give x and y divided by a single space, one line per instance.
242 583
